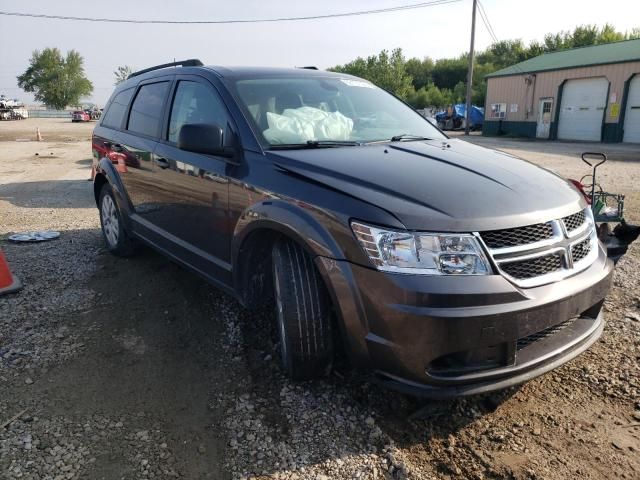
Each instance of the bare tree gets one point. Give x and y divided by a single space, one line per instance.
122 73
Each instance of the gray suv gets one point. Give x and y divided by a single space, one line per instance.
444 268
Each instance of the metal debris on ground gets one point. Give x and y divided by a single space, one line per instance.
39 236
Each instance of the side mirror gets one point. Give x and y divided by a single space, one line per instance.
203 138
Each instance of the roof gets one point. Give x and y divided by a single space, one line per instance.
233 73
616 52
228 72
247 71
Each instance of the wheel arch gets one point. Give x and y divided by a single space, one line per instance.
98 182
255 234
106 173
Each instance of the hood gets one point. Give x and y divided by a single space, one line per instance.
449 186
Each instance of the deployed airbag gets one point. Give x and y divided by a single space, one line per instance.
298 125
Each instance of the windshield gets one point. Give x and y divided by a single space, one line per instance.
321 110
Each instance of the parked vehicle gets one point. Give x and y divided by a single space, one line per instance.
455 117
14 113
443 267
12 109
80 116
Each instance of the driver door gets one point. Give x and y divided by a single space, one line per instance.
191 188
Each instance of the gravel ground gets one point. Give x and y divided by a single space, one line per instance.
123 369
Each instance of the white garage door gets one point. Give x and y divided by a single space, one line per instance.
632 113
582 109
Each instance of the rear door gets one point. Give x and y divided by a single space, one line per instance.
136 144
191 189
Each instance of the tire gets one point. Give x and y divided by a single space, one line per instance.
303 313
113 232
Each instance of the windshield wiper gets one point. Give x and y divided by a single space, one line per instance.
316 144
408 137
332 143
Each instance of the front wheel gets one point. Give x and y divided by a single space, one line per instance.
113 232
303 313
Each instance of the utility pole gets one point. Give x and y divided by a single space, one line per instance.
470 71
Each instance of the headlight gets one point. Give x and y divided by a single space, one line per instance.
422 253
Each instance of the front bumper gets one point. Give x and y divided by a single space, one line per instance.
452 336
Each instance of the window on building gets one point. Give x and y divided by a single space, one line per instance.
498 110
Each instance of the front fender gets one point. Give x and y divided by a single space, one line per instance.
304 224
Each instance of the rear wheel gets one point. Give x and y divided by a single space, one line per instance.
303 313
113 232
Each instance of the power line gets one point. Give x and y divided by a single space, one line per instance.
399 8
487 23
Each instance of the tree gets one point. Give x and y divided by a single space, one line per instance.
55 80
460 92
122 73
386 71
421 71
423 83
609 34
583 36
504 53
535 49
436 97
554 42
448 72
418 98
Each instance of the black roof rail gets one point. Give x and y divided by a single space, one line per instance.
309 67
192 62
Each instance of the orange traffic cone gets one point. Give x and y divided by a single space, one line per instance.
8 283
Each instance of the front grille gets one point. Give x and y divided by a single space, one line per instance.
513 237
574 221
533 267
580 250
541 335
544 252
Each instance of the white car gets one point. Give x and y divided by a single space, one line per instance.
20 113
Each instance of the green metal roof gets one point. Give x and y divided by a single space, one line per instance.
617 52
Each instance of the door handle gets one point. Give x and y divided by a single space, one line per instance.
162 162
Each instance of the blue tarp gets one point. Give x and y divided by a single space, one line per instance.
459 110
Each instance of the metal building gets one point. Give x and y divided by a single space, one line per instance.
589 94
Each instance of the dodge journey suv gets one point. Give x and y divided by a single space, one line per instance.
442 267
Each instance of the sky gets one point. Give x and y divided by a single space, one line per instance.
437 31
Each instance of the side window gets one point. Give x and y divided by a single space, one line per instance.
146 111
195 103
115 113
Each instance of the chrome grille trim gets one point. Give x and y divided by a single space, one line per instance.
576 224
576 250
